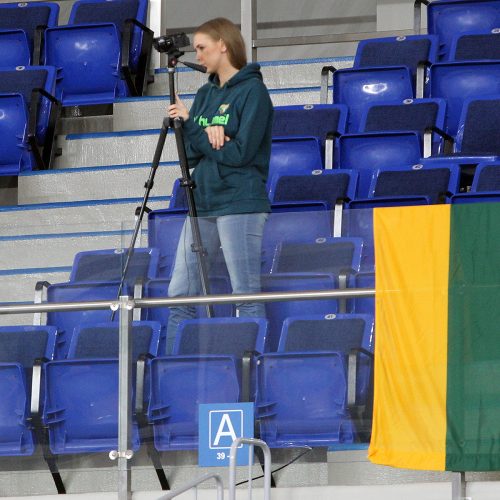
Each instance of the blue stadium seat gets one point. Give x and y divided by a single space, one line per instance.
20 346
206 367
277 312
358 87
14 157
107 265
448 18
328 186
164 230
476 46
291 221
303 397
41 110
81 394
372 150
326 122
295 154
14 49
410 51
77 292
485 185
31 19
411 185
455 82
219 285
334 256
103 52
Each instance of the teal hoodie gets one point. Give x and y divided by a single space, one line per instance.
233 179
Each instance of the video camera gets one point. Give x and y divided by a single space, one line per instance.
171 43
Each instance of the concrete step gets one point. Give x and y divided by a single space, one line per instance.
18 285
276 74
58 250
128 147
141 113
82 184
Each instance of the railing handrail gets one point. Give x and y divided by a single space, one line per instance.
180 301
195 482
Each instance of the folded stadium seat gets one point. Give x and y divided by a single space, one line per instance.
292 221
20 347
32 122
476 46
14 48
66 322
326 122
81 392
391 130
219 285
485 185
411 185
416 52
449 18
457 81
211 363
358 87
294 154
277 312
107 265
306 392
22 28
102 53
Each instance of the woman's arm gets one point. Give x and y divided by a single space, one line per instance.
240 150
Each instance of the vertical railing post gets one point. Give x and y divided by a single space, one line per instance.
249 27
458 486
124 453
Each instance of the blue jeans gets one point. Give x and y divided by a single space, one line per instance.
240 237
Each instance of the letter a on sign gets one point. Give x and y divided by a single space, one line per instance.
225 423
219 426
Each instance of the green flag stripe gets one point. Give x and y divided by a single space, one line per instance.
473 387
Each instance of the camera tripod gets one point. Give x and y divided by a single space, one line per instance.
173 54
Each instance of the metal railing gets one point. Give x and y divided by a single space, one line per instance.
125 306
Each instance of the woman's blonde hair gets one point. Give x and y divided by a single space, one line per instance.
223 29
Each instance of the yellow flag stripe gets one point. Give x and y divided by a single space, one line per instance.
412 261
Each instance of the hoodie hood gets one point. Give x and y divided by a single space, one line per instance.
249 71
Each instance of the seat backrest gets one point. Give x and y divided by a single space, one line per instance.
479 131
476 46
323 255
23 80
357 88
14 49
448 18
397 51
78 292
290 221
27 16
411 114
433 182
315 120
319 185
295 154
336 332
102 340
25 344
108 265
456 82
12 129
232 336
486 178
164 230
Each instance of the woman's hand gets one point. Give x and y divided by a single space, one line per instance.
178 110
216 136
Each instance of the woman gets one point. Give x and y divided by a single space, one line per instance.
228 140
